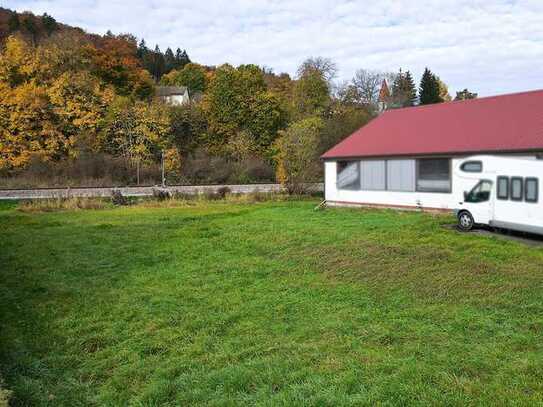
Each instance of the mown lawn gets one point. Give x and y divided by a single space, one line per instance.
265 304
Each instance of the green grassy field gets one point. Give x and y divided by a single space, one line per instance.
265 304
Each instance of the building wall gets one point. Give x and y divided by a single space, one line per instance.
424 200
177 100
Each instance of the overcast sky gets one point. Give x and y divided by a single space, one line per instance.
489 46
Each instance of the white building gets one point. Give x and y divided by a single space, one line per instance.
174 95
404 158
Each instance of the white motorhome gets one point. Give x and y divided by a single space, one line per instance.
505 195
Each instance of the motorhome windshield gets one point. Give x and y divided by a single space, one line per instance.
480 192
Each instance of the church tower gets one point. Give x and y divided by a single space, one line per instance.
384 96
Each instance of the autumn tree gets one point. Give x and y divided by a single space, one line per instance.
297 154
444 91
311 93
27 127
136 131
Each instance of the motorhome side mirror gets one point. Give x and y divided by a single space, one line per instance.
465 195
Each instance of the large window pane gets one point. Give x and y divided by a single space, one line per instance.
401 175
372 175
348 175
433 175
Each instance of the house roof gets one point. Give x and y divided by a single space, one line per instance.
170 90
506 123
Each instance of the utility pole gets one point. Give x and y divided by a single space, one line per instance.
163 178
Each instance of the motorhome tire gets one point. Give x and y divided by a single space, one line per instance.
465 221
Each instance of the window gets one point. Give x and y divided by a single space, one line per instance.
503 188
372 175
531 190
434 175
516 189
472 166
401 175
480 192
348 175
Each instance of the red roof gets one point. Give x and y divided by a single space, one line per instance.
507 123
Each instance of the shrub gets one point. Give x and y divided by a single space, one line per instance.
4 394
297 154
222 191
161 194
117 197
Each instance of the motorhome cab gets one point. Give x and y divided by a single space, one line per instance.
506 193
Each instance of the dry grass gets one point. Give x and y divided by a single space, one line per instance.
62 204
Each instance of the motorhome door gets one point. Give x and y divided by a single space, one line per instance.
479 202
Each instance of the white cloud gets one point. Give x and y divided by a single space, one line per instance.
489 46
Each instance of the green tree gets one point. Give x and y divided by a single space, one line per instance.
403 89
169 60
158 64
311 94
136 131
192 76
465 95
237 100
181 58
29 25
13 23
429 91
188 125
49 23
443 91
297 149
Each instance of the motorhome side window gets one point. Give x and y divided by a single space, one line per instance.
480 193
516 189
531 190
503 188
348 175
472 166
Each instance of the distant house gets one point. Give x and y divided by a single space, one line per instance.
405 157
174 95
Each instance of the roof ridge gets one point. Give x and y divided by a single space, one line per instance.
464 100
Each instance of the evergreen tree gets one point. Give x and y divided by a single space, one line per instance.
13 23
49 23
142 50
404 93
181 59
409 90
169 60
30 27
429 88
158 66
